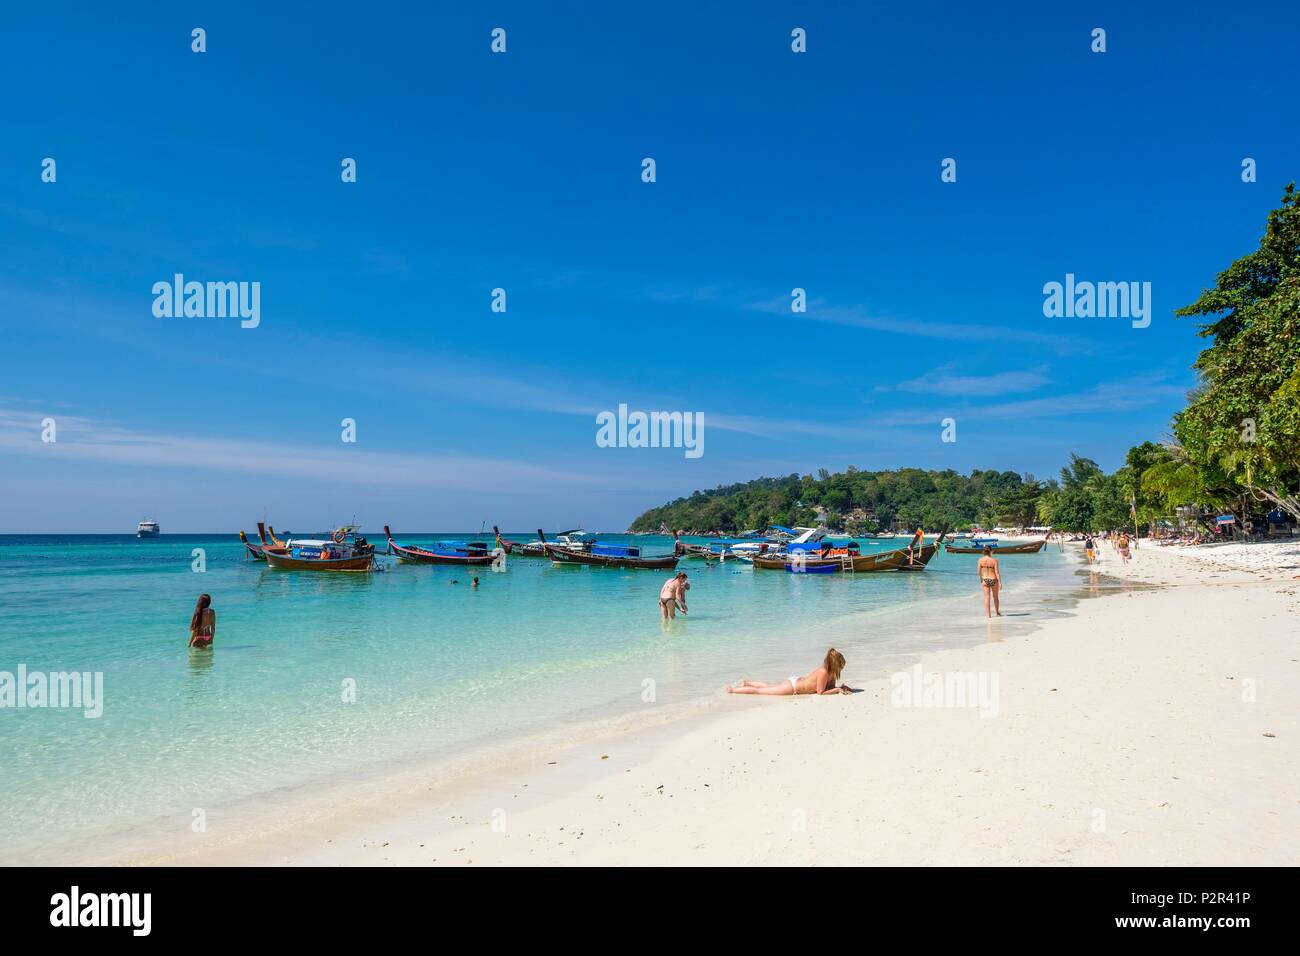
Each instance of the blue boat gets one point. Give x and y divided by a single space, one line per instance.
442 552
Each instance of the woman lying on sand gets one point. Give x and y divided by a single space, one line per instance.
819 681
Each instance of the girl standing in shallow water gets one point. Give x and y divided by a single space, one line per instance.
822 680
203 625
991 577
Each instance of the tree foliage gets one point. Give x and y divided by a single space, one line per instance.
856 500
1242 426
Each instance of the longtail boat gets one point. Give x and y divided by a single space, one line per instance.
269 541
918 558
685 550
443 552
1026 547
831 560
743 549
509 547
252 550
608 556
568 540
338 553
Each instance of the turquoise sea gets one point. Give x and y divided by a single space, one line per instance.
439 669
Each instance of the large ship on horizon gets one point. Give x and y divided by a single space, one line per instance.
148 528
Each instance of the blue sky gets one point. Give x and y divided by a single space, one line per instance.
522 171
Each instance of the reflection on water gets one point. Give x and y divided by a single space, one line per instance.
993 631
201 660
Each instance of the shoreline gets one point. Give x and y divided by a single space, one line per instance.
878 634
262 815
847 780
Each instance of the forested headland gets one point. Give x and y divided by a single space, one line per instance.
1235 447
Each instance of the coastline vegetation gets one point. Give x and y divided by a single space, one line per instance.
1234 449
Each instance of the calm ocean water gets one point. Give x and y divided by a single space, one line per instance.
439 668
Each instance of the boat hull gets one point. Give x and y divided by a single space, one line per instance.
563 556
252 550
1032 547
284 562
900 559
527 550
415 556
425 556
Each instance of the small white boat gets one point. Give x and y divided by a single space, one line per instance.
148 528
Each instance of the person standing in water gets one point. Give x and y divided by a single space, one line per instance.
203 624
991 577
672 596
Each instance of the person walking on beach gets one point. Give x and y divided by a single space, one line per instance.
821 680
991 578
672 596
1121 545
203 624
1089 547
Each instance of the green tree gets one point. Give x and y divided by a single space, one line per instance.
1243 423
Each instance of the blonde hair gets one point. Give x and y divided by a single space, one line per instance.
834 664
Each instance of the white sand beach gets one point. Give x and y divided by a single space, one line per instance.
1154 725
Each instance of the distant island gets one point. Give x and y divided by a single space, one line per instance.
1235 448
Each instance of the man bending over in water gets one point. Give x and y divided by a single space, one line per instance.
822 680
672 596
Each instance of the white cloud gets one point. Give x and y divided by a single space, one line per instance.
81 439
943 382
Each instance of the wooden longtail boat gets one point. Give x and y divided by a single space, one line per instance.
538 548
269 542
522 550
608 556
914 557
509 547
918 558
739 551
471 553
1028 547
685 550
252 550
337 554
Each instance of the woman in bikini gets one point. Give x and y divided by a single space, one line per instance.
672 596
203 625
822 680
991 577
